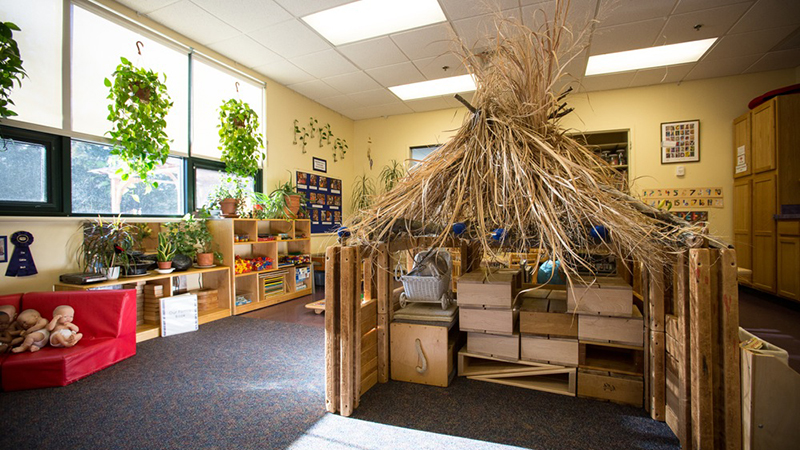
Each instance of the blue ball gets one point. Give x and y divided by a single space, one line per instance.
599 232
547 269
459 228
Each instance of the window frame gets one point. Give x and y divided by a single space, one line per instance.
209 164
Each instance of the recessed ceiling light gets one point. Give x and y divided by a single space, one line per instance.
369 18
433 88
645 58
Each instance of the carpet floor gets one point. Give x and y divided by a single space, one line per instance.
242 383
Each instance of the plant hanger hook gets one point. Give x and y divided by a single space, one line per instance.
139 45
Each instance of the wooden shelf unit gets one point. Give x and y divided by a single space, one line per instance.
211 278
250 284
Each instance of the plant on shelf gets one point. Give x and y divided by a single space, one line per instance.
104 246
391 174
192 238
10 67
230 196
138 112
166 251
143 231
363 193
240 141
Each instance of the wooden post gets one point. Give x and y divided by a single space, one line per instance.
680 291
656 316
729 333
645 288
701 349
332 329
657 342
349 277
357 335
383 274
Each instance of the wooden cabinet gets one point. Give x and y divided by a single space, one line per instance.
273 239
768 180
789 259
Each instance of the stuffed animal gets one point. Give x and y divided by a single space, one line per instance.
63 333
34 330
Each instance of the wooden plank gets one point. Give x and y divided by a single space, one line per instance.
369 317
702 403
680 291
357 326
656 299
332 329
624 330
562 352
499 346
607 296
547 317
658 383
556 383
482 320
369 278
729 331
470 364
644 285
718 371
419 354
384 292
480 288
349 291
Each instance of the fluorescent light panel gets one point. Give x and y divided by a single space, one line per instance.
369 18
434 88
645 58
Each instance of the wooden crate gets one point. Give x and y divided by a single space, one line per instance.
603 385
489 289
438 351
547 317
549 350
623 330
207 299
529 375
496 345
608 296
488 320
617 358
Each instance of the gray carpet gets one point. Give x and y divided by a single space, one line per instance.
254 384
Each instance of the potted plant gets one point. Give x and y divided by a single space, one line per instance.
391 174
10 67
104 246
138 111
192 238
166 251
228 196
240 141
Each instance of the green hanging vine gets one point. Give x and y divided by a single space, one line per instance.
240 141
10 67
138 112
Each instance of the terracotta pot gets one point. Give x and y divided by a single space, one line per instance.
205 259
163 265
292 205
228 207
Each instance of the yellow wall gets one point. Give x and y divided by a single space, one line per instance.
715 102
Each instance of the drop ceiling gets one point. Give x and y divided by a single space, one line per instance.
269 37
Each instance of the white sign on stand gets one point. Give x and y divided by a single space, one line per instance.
179 314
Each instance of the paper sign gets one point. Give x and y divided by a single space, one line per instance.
178 314
740 150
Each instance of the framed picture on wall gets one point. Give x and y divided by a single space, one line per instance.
319 164
3 249
680 142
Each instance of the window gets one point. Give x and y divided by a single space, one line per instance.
98 189
38 100
97 45
420 153
30 173
210 87
207 176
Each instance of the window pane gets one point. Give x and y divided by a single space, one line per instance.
39 99
206 180
23 172
420 153
211 87
97 45
97 189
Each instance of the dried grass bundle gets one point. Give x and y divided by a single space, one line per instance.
511 166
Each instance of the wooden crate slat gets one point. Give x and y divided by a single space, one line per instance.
702 400
349 277
332 329
680 290
384 304
729 332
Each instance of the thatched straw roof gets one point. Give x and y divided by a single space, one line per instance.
512 166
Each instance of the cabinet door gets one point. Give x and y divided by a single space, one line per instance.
743 223
789 266
742 164
763 137
764 208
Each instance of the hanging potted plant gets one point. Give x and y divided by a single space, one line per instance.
10 67
138 111
166 251
240 141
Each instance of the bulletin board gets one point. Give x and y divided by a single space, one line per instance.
685 197
324 195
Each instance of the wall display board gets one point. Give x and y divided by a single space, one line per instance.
684 197
680 142
324 197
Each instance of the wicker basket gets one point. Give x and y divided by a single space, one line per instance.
429 279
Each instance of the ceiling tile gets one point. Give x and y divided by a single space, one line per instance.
424 42
195 23
396 74
433 68
373 53
339 103
245 51
314 89
370 112
721 67
351 83
606 82
326 63
146 6
580 13
246 15
715 23
661 75
755 42
685 6
534 15
374 97
628 36
290 39
793 41
284 72
769 14
478 32
461 9
306 7
615 12
428 104
776 60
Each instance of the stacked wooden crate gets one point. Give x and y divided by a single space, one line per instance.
139 288
152 302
